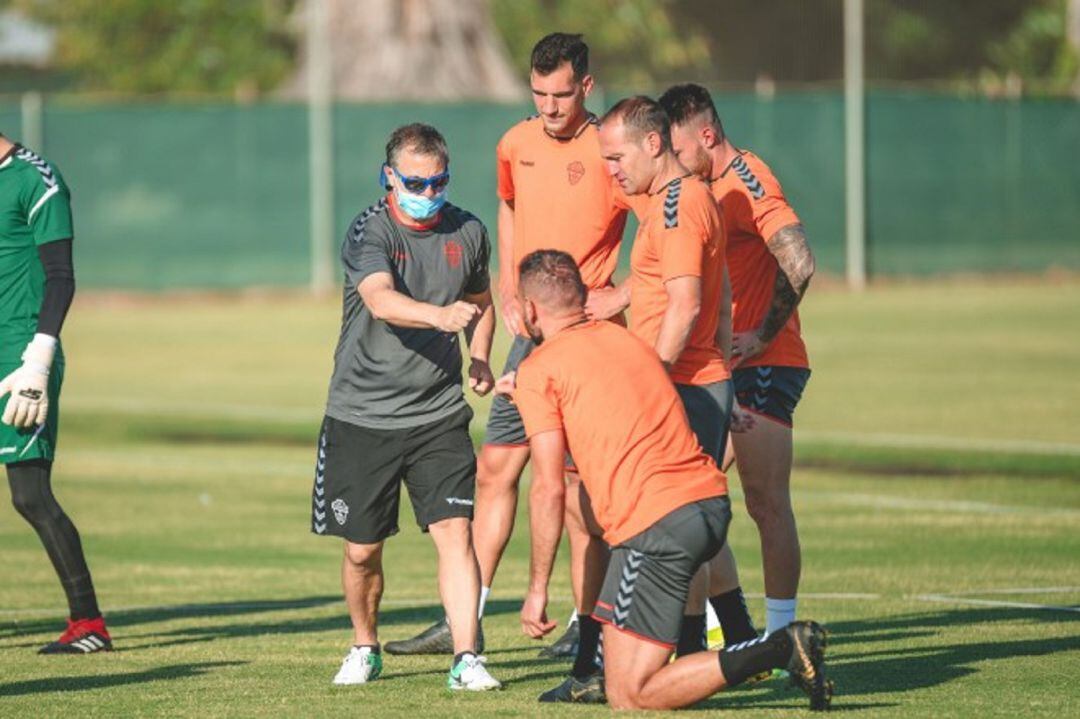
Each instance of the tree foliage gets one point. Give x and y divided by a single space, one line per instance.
631 42
646 43
178 46
248 46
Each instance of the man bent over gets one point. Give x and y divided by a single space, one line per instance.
660 501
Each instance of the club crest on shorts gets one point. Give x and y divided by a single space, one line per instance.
575 171
341 511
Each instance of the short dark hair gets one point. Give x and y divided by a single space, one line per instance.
559 47
641 115
552 278
418 137
687 101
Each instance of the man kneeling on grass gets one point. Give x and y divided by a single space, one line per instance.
661 502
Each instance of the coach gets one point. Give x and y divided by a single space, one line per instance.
416 275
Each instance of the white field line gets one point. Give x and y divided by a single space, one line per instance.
924 441
182 408
887 501
190 609
1020 590
181 610
946 599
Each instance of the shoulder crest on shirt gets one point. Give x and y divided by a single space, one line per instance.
671 204
43 168
753 185
356 229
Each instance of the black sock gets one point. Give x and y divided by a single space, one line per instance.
585 663
461 655
741 661
692 635
730 608
31 493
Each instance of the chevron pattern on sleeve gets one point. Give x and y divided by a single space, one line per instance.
671 204
43 168
748 178
356 229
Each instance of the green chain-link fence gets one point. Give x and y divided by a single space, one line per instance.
217 195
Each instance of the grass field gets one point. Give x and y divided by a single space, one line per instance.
937 492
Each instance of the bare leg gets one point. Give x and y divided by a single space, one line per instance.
588 553
764 457
362 580
723 572
498 471
729 453
459 580
637 674
699 592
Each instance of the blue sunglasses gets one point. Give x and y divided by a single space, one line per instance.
416 185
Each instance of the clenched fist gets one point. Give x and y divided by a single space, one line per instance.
456 317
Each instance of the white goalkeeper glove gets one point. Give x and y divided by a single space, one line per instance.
29 385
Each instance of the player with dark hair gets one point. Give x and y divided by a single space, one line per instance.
37 284
553 192
416 275
771 265
678 299
601 392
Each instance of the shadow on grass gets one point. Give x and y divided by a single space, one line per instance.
124 618
104 681
897 666
308 625
916 625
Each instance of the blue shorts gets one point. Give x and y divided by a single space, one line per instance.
771 391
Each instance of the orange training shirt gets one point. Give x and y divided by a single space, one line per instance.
754 208
624 425
681 233
564 198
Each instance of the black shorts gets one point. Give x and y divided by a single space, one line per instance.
771 391
648 579
358 475
708 407
504 425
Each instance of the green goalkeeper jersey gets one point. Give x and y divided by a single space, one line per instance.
35 208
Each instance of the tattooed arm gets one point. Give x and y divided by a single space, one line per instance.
792 252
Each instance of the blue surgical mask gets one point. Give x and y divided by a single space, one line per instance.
419 207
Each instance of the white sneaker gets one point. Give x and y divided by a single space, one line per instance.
361 666
471 675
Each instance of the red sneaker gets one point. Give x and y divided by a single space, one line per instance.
83 636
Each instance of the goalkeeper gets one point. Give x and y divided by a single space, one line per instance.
37 283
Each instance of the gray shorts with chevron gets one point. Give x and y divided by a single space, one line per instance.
648 579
